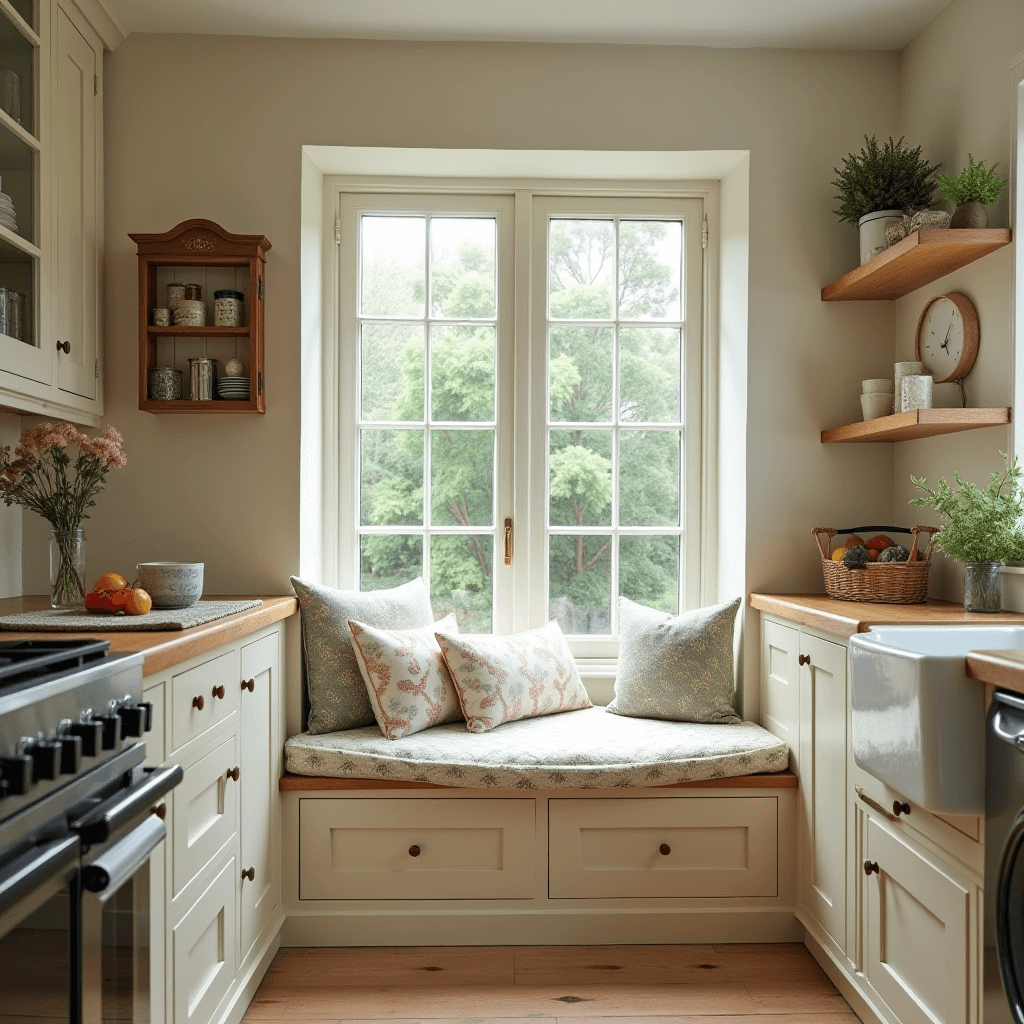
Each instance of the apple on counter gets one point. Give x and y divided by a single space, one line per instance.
111 595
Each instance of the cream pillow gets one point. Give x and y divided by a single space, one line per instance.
504 678
406 677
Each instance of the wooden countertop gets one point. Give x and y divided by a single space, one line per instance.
166 648
845 618
1004 669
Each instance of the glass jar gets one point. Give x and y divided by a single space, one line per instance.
194 292
983 587
164 384
67 568
227 308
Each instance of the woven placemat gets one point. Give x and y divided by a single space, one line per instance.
60 620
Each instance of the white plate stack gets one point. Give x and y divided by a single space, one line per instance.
233 389
8 217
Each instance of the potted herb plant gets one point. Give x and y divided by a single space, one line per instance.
983 530
974 188
881 183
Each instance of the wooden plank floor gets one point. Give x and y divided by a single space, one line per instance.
698 984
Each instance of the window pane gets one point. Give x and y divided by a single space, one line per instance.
461 579
389 560
392 266
649 374
580 482
649 571
462 477
649 478
581 257
462 267
650 270
580 374
580 587
392 371
392 477
462 373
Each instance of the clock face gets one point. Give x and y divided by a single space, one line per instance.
941 339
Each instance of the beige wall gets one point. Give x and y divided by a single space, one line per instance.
213 127
956 97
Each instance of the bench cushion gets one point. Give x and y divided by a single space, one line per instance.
588 749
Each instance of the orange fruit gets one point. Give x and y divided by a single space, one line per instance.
110 581
138 602
879 543
854 541
873 554
105 602
837 555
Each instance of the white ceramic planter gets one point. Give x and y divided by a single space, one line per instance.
872 232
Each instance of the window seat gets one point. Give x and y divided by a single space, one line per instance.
589 749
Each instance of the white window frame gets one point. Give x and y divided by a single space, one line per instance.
529 594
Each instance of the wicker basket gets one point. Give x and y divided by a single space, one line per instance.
878 582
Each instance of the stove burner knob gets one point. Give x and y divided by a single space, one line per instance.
111 729
147 706
133 720
46 757
17 773
91 734
70 755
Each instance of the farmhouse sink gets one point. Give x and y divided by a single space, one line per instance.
918 721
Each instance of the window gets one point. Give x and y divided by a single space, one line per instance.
580 420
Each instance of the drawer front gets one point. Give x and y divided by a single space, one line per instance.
416 849
195 702
687 847
204 814
204 950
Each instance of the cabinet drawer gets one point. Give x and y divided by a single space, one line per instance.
204 812
695 846
195 702
416 849
204 950
918 931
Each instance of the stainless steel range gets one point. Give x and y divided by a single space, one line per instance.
79 817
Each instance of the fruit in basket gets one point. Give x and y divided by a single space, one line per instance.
837 555
100 601
894 553
110 581
879 543
873 553
855 541
138 602
856 557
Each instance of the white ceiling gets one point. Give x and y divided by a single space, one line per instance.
803 24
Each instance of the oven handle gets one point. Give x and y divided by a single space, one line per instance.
23 875
103 821
109 871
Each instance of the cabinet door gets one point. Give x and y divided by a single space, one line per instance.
917 925
74 138
780 685
260 760
823 784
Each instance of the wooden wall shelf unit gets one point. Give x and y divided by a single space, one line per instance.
202 252
907 426
917 260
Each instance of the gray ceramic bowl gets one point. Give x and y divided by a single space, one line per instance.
172 584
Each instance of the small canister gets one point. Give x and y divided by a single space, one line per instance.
227 308
16 315
194 292
190 313
175 293
203 379
161 317
165 384
916 392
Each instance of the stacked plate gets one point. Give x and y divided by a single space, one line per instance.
233 389
8 217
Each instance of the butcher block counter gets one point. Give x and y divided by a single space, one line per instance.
163 650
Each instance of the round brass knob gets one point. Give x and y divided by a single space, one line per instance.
250 874
64 346
870 867
664 849
414 851
249 684
898 808
218 692
198 703
233 773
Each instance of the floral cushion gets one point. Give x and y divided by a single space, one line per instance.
406 678
504 678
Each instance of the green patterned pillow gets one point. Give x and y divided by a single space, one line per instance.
337 694
676 667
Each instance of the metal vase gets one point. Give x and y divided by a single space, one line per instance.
983 587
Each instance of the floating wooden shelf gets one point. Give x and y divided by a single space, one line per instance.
917 260
215 406
202 332
906 426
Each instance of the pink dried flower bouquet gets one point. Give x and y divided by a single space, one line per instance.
38 476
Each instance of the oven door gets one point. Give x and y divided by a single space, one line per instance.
39 931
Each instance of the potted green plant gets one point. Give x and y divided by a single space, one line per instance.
974 188
879 184
983 530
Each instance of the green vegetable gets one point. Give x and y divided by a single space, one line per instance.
976 183
889 177
984 525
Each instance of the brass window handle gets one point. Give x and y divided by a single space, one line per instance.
508 541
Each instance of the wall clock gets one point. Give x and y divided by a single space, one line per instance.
947 338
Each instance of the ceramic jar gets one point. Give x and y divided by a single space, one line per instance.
164 384
161 317
190 313
227 308
915 392
872 232
194 292
175 293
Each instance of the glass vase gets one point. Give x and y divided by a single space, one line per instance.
983 587
67 568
